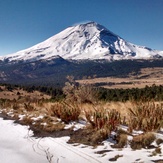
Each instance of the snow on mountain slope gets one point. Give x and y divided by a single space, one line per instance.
85 41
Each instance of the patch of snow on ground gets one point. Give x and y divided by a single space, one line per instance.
18 146
76 126
37 118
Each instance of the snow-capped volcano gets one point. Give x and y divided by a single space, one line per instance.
84 41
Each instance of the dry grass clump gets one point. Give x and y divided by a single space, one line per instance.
99 135
26 120
121 141
88 136
142 141
103 118
66 112
45 123
146 116
28 106
156 152
159 141
5 103
104 121
121 138
15 106
51 127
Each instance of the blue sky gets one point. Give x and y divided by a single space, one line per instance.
24 23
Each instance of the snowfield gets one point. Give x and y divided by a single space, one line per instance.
18 146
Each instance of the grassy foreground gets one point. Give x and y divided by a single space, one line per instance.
81 105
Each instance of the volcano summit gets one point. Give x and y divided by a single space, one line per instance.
89 41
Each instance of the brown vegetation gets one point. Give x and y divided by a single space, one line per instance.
146 116
146 76
20 93
81 103
142 141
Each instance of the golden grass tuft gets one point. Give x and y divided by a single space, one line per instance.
66 112
103 120
146 116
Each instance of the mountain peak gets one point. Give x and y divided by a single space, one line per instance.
88 40
92 24
89 23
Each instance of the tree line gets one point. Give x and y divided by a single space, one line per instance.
148 93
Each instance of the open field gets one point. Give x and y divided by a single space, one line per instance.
147 76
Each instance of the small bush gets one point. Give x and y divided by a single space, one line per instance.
142 141
158 150
99 136
16 106
79 93
5 103
28 106
103 119
89 136
66 112
155 152
146 116
121 141
26 121
159 141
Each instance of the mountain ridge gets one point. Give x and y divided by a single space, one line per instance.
88 41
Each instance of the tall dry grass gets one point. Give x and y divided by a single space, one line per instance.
66 112
146 116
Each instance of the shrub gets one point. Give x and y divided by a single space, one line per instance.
142 141
103 119
16 106
159 141
80 93
26 120
121 141
158 150
66 112
28 106
146 116
5 103
121 138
